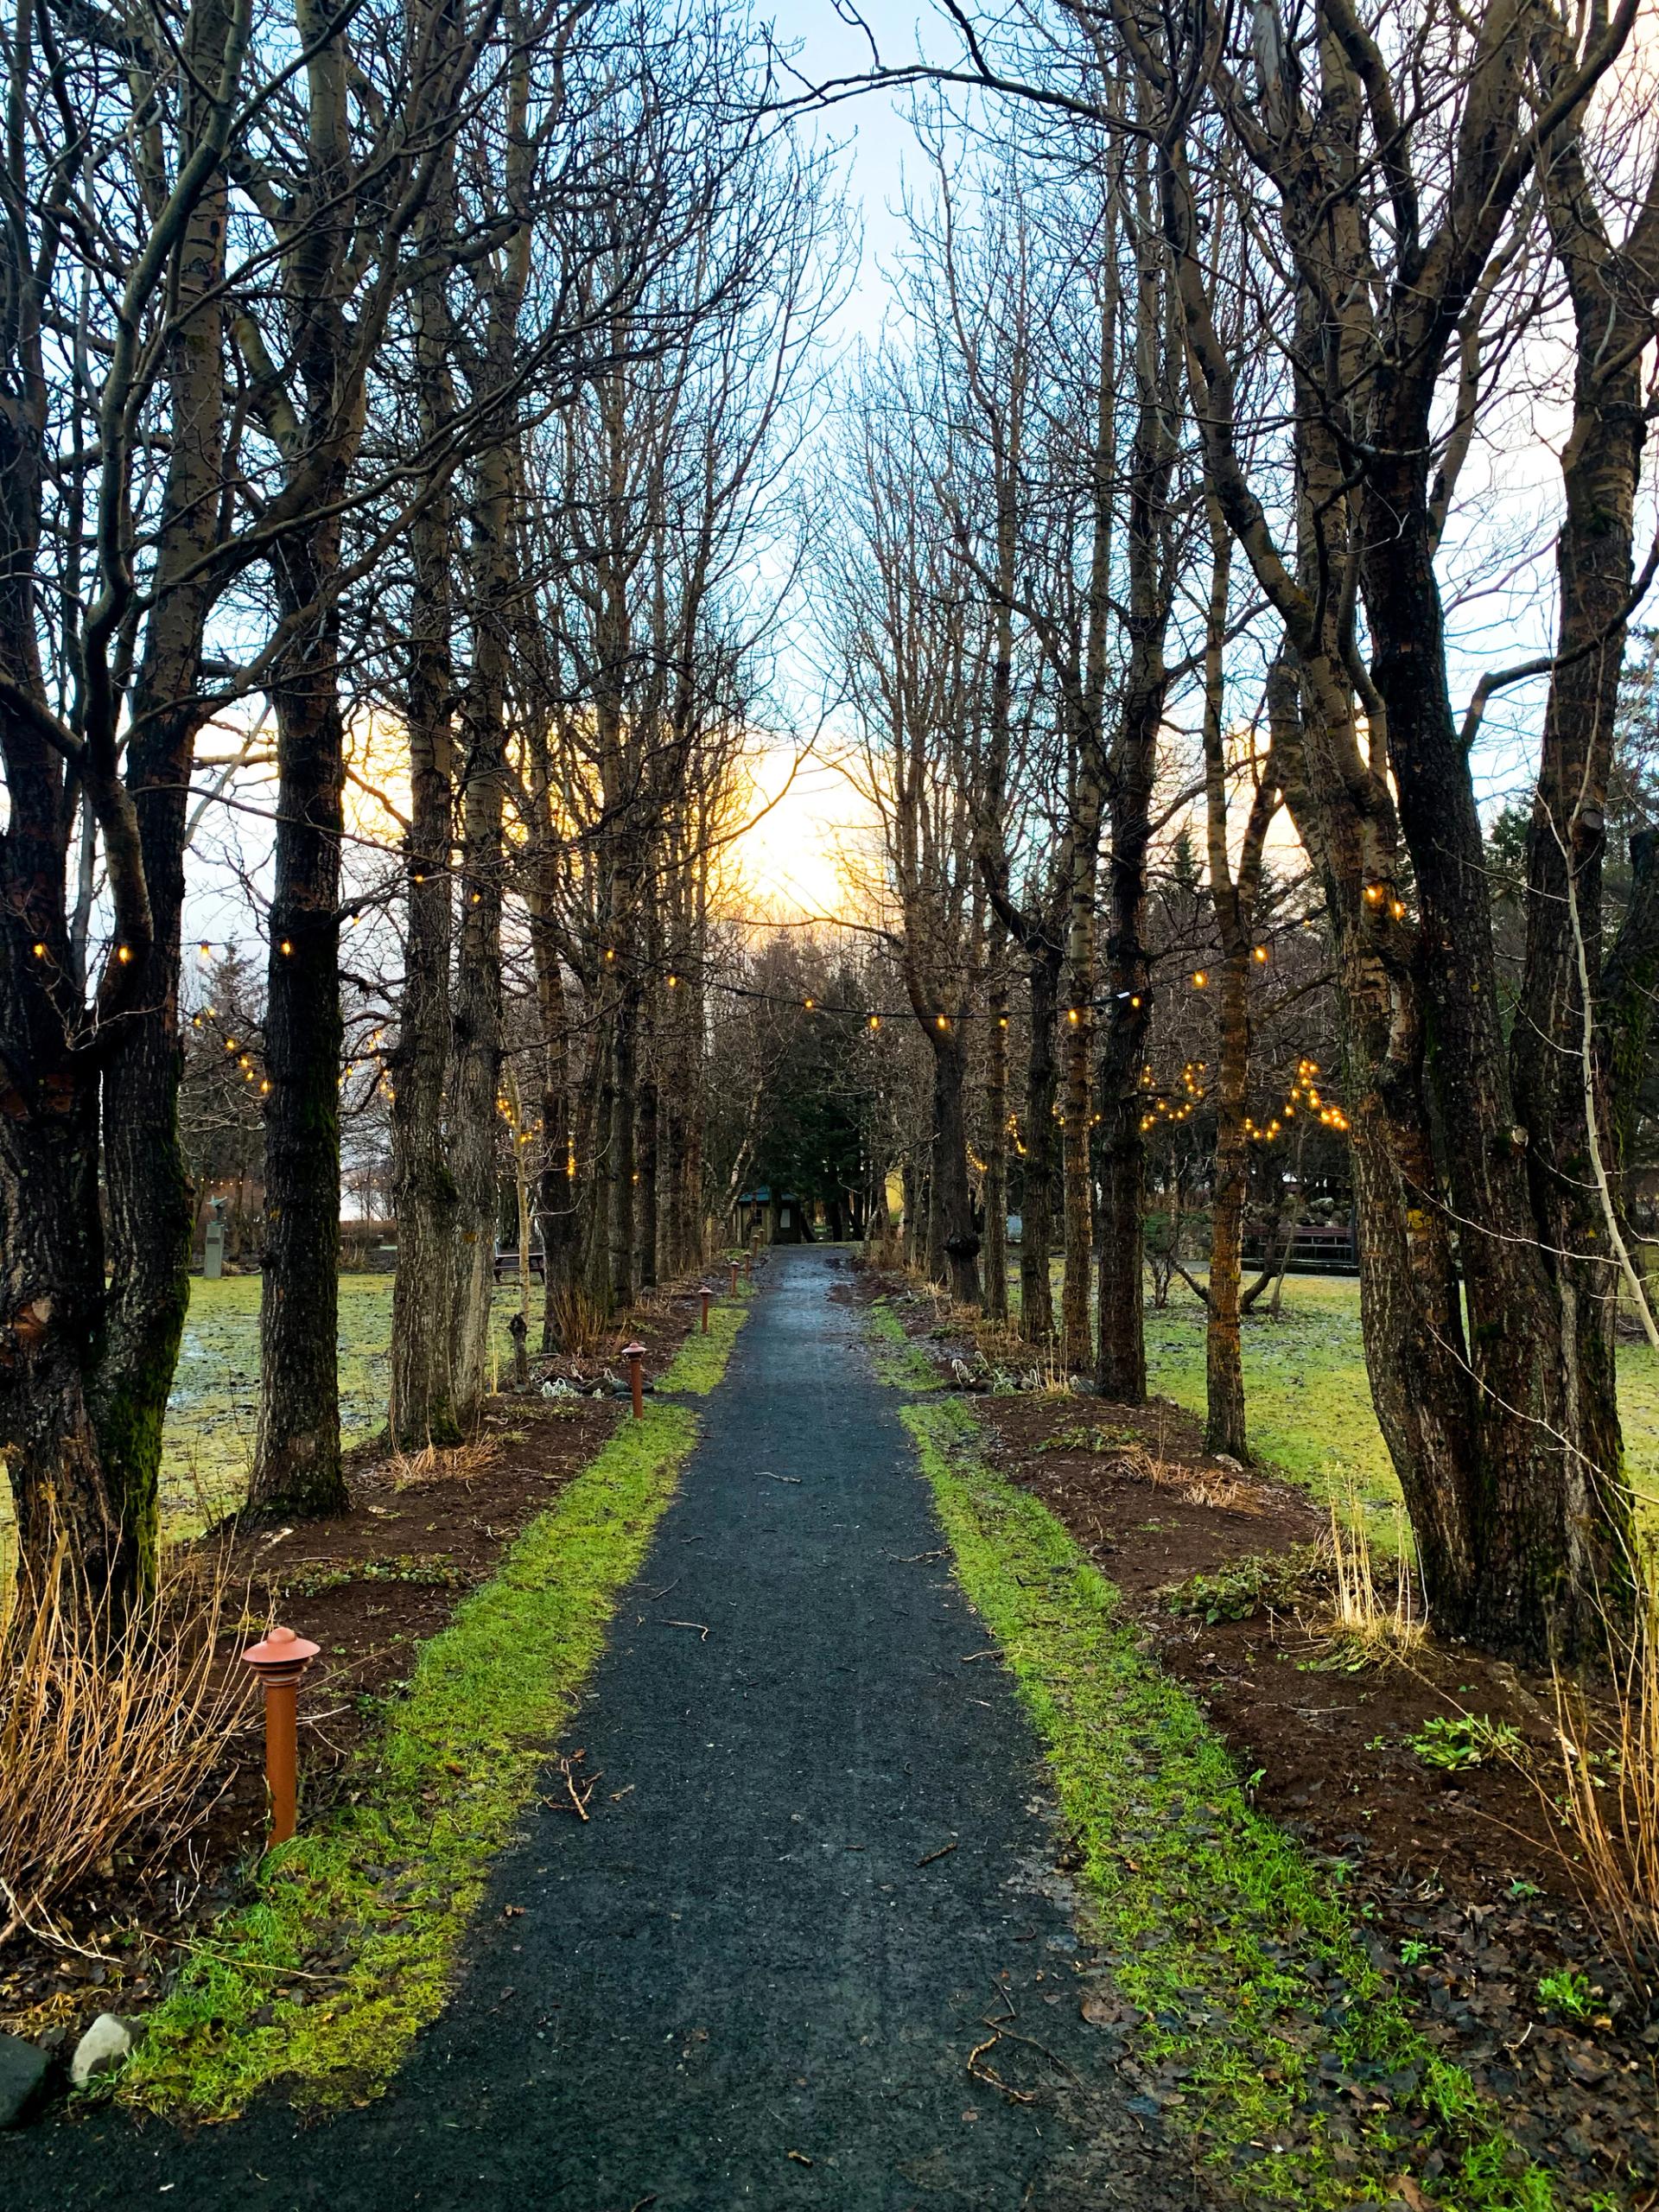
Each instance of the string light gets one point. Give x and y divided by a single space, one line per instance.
1199 979
285 947
124 953
1259 954
40 951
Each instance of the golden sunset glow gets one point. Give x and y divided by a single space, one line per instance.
807 845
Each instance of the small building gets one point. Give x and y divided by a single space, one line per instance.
779 1217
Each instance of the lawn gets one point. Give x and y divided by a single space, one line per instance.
215 1399
1308 1402
211 1412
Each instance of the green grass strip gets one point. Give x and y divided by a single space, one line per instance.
701 1360
349 1945
897 1359
1235 1945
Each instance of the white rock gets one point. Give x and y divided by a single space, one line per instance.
104 2047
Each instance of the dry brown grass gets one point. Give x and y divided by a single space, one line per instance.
1376 1604
112 1740
1610 1771
582 1329
461 1463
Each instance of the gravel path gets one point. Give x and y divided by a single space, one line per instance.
819 1869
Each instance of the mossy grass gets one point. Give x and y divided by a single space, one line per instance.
898 1360
700 1361
350 1941
1235 1945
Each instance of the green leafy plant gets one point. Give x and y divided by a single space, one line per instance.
1567 1992
1455 1741
1262 1582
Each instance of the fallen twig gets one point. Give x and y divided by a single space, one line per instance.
579 1789
702 1627
943 1851
978 2073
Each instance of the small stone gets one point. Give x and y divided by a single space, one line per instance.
23 2069
105 2046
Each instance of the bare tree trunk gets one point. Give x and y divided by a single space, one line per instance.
1077 1035
1120 1363
1036 1211
953 1204
557 1195
422 1405
995 1293
624 1131
474 1117
649 1130
296 1452
151 1204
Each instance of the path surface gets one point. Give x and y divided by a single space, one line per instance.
742 1955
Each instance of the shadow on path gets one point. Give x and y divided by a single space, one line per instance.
743 1955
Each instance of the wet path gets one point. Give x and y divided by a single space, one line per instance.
818 1865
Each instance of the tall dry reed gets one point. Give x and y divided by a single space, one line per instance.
1610 1768
114 1734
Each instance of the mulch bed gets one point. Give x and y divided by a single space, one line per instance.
370 1587
1463 1874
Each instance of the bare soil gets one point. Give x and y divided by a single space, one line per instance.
1462 1880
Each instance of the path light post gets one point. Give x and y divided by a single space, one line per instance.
634 1354
705 1294
748 1265
279 1662
733 1278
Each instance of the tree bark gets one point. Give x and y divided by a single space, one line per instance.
296 1466
421 1404
995 1292
952 1216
